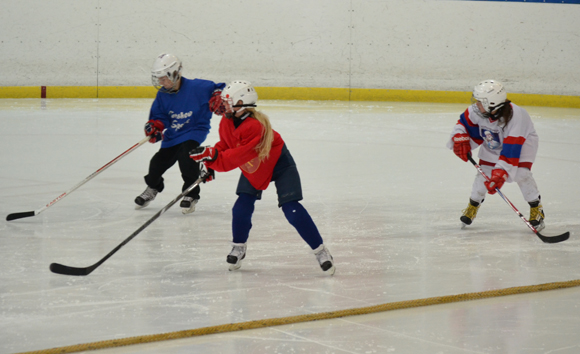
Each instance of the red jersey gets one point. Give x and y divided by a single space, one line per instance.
237 148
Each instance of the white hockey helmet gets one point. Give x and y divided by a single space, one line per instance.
166 65
491 94
240 90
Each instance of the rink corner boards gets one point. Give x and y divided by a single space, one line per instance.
290 93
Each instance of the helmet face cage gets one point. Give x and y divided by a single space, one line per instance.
237 91
491 94
166 65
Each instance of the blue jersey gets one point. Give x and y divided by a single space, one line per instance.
185 114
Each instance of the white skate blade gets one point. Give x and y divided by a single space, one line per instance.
191 209
330 271
137 206
235 266
188 210
540 227
463 226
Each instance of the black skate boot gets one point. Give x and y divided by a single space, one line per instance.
145 198
188 205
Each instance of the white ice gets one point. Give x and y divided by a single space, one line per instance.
378 181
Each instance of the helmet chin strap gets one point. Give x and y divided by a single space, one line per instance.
497 112
243 108
170 91
232 115
174 89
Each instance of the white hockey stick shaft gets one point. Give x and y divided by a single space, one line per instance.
94 174
91 176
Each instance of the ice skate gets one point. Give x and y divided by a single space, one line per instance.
236 256
537 215
188 205
145 198
469 213
325 259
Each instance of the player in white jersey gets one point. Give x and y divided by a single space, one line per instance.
509 144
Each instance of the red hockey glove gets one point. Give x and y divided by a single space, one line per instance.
206 173
203 153
498 178
461 146
154 129
216 105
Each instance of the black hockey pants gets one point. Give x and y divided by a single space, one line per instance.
165 158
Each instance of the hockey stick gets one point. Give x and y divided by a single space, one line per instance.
66 270
26 214
546 239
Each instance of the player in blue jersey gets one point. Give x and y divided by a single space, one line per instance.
180 119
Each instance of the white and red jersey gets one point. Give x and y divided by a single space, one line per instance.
507 147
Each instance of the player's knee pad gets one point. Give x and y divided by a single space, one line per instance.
293 211
243 207
478 191
523 175
298 217
527 184
242 217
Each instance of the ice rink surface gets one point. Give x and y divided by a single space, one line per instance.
384 191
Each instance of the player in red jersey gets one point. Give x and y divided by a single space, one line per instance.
248 141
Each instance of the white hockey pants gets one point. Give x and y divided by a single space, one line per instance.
524 179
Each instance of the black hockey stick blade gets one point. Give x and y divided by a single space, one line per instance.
15 216
66 270
545 239
554 239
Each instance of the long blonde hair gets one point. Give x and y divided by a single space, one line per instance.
263 148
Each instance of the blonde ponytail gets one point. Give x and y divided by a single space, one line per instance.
263 148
